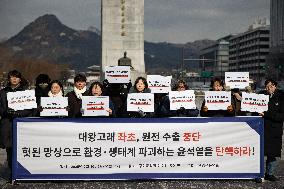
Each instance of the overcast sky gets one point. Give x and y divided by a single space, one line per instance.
177 21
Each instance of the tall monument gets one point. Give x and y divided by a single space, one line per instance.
123 31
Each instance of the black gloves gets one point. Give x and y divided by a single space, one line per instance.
105 83
129 85
181 111
11 113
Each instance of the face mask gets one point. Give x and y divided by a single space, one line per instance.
43 85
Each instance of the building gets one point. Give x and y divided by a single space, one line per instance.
248 50
123 31
277 26
216 58
93 74
275 59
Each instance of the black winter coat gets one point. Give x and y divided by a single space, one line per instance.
7 116
74 104
273 125
166 112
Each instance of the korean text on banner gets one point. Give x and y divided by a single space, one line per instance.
109 149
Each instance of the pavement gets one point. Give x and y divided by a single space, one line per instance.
137 184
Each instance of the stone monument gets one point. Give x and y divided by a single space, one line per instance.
123 31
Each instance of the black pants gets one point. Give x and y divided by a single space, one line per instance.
9 157
271 164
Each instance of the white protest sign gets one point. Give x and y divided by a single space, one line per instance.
54 106
252 102
159 84
237 79
95 105
117 74
217 100
140 101
185 99
21 100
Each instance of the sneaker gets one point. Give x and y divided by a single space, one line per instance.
271 178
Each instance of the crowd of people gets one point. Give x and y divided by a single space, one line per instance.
45 87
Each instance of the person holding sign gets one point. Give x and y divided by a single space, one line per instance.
97 89
15 83
41 89
140 86
55 104
75 96
55 89
181 112
117 93
216 85
273 128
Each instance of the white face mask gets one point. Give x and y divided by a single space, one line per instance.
43 85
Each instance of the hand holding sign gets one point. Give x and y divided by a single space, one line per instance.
117 74
159 84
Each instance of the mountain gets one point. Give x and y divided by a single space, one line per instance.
48 39
168 56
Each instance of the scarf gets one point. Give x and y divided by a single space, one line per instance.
79 92
55 95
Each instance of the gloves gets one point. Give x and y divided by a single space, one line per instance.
129 85
141 113
11 113
181 111
40 109
105 83
82 111
68 108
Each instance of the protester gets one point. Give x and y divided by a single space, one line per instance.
75 96
55 89
181 112
236 102
273 128
216 85
117 93
237 99
15 83
140 86
41 89
97 89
